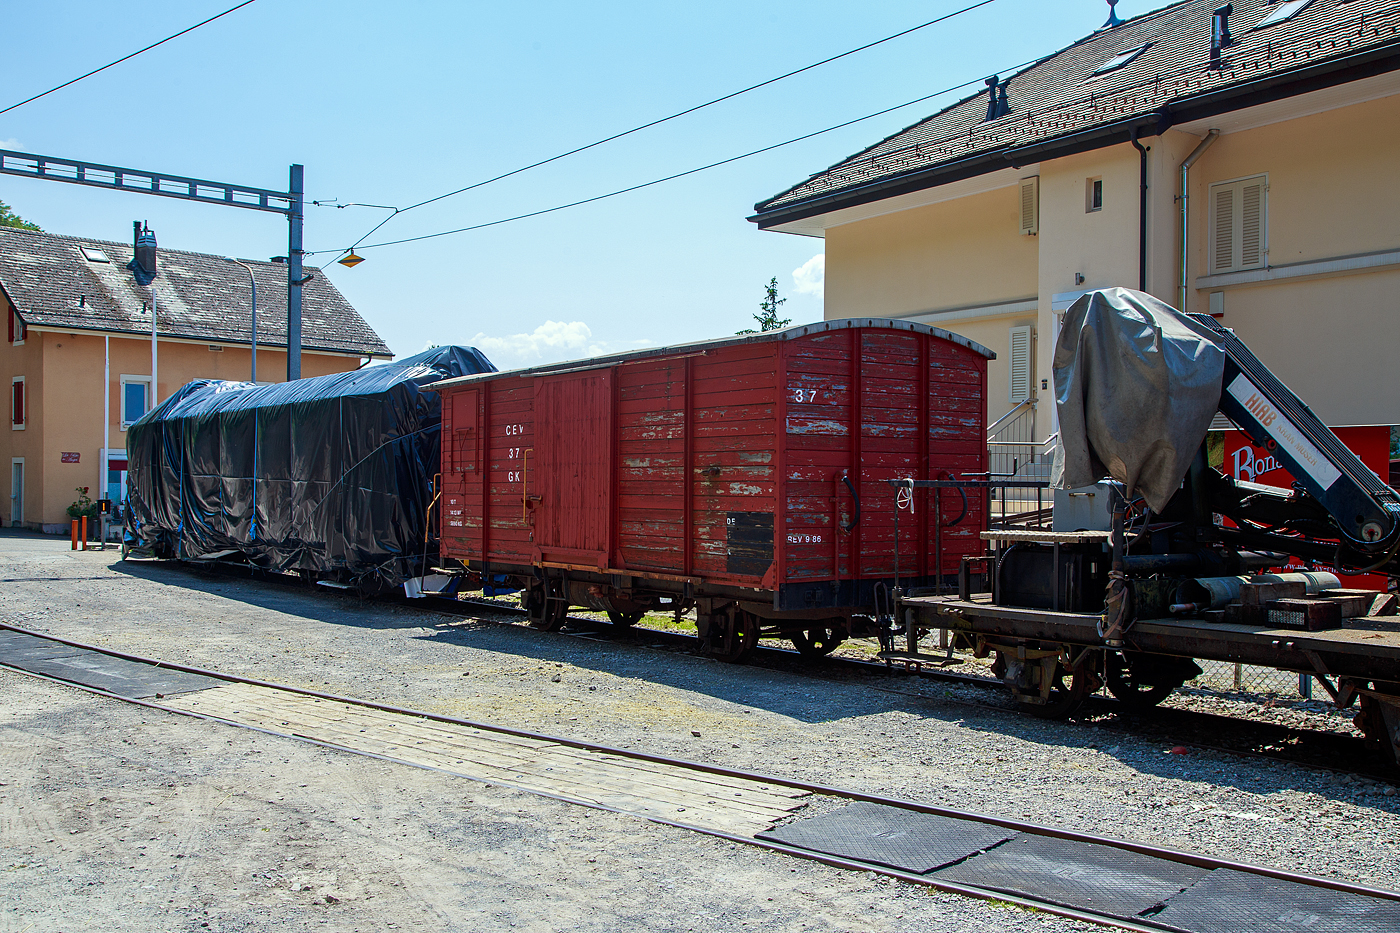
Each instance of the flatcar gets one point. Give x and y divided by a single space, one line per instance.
744 477
1169 565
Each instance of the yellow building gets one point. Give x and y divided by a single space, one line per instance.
74 312
1280 119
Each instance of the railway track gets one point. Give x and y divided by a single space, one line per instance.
1110 882
1331 751
1334 752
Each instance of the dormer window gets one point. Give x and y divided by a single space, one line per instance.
1121 59
1283 13
93 254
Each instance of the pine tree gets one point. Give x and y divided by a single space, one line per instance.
767 317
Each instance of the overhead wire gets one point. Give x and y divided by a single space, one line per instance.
673 177
127 58
666 119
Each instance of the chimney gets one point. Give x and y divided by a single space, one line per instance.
1220 34
1113 19
997 105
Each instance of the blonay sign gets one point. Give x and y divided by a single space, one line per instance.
69 456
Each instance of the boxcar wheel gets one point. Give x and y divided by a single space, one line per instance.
733 635
817 641
545 606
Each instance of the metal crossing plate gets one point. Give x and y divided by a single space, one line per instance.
882 835
93 669
1237 902
1076 874
15 646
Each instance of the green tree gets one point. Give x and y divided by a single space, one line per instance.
9 218
767 316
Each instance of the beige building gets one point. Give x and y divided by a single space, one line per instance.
1282 120
73 311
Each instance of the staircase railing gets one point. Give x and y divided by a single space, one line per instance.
1012 452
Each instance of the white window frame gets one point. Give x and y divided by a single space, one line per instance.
24 415
121 398
1237 228
1089 183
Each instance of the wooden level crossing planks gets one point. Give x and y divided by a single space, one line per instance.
643 788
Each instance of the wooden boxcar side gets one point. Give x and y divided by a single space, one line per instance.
754 469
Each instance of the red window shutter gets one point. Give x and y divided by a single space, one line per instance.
18 402
10 319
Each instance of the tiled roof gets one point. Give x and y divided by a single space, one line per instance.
52 283
1060 100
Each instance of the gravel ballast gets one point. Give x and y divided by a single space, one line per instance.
390 844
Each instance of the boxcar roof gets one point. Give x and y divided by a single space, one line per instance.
703 346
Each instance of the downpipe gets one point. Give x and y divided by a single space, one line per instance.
1185 197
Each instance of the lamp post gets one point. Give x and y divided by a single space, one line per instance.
253 284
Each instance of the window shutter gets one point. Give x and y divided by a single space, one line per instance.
1030 205
1020 364
1238 224
10 318
1224 214
17 403
1252 224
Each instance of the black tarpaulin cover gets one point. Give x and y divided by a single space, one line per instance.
330 475
1136 386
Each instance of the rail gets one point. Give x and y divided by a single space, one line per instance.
605 778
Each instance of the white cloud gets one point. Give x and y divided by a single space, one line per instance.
12 143
551 342
810 277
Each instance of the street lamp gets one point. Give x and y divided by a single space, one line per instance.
253 283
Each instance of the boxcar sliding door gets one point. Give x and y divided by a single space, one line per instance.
461 471
572 474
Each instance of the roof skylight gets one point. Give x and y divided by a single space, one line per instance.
1121 59
93 254
1283 12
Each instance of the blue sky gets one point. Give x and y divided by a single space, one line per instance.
393 103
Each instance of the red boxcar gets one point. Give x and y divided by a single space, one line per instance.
746 476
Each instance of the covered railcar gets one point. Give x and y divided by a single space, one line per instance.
330 477
746 476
